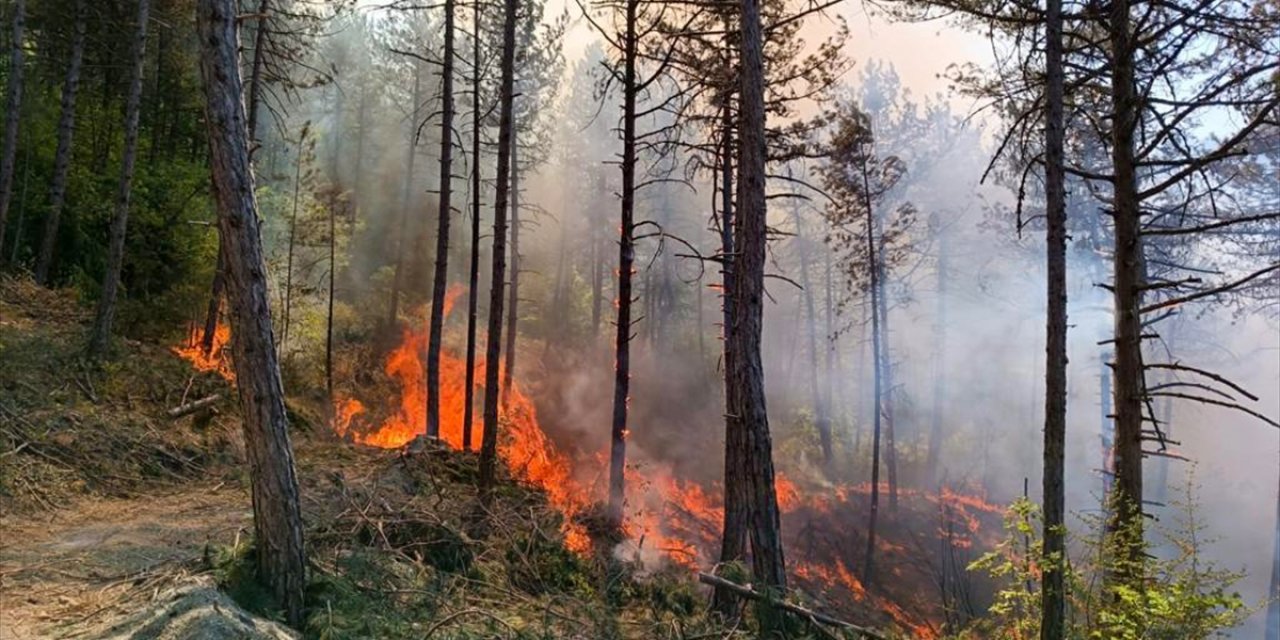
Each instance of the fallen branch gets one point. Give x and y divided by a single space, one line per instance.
747 592
192 407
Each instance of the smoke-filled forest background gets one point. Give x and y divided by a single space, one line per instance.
904 280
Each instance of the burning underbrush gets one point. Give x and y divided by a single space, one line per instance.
924 542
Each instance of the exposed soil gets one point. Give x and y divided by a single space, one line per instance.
69 572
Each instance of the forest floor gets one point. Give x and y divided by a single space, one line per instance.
108 505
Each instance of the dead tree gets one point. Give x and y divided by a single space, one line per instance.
277 518
106 312
62 157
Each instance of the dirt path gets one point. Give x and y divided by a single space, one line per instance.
65 571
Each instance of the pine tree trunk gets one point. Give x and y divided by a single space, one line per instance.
253 100
493 347
293 235
513 293
747 373
406 200
255 77
13 108
821 421
939 363
733 540
877 366
1053 584
215 302
473 278
119 224
328 324
62 158
441 282
886 373
626 269
277 518
1128 387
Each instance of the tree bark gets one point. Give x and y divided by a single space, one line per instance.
119 224
1126 518
406 200
626 269
733 541
277 518
436 334
13 106
253 100
62 158
473 289
493 347
1053 584
749 411
513 292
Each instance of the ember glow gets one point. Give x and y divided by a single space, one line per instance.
218 360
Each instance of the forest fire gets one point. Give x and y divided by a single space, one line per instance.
675 520
218 358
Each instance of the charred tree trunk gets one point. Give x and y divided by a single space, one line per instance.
747 374
493 347
62 158
513 297
733 540
13 108
211 311
277 518
406 200
436 334
877 365
626 269
119 224
1126 518
1053 583
473 289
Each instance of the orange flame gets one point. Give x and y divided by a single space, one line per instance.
218 360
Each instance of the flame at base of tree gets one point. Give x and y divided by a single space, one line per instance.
218 359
